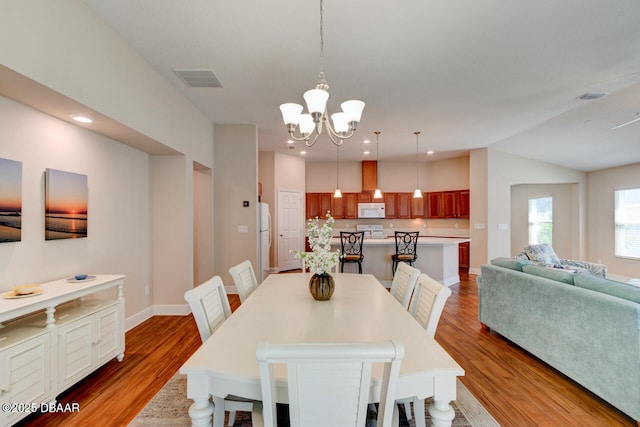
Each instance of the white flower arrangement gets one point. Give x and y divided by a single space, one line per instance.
321 260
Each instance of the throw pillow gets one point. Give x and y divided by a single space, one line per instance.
543 254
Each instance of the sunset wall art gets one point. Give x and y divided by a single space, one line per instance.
66 201
10 201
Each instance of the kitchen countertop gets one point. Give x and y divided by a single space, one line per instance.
422 241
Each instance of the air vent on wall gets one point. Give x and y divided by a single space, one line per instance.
590 96
198 78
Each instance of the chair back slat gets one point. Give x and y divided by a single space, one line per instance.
244 278
404 282
428 302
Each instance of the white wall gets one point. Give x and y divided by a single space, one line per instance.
118 239
235 181
65 47
602 185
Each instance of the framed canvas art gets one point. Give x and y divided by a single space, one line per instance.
10 201
66 202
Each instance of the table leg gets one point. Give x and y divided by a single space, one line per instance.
218 414
200 412
441 413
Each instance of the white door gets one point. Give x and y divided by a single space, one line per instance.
290 228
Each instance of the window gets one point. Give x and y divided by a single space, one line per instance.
627 223
540 220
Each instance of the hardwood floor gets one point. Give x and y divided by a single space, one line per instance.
515 387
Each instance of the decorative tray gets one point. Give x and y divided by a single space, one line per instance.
13 295
73 279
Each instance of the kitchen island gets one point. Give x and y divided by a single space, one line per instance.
437 257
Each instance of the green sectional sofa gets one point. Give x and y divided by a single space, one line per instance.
583 325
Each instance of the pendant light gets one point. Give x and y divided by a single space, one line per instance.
377 194
337 194
418 193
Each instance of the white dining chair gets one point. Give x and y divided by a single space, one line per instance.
429 299
210 307
244 278
328 384
404 281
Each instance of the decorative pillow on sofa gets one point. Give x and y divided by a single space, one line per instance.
511 263
556 274
606 286
543 254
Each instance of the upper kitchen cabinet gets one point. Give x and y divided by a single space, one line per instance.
418 206
346 206
398 205
318 204
448 204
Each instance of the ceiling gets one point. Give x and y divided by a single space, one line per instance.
466 74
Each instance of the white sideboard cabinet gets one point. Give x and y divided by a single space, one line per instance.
50 341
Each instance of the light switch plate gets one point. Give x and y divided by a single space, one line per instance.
243 229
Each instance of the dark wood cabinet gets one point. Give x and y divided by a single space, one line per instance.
448 204
390 205
365 197
418 207
318 204
463 255
404 205
349 205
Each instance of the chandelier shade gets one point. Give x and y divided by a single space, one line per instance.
345 123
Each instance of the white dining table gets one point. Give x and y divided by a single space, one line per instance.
281 310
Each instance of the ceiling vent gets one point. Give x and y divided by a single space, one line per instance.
198 78
590 96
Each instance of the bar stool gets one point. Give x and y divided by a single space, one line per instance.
351 248
406 243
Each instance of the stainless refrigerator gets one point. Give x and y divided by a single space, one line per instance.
264 232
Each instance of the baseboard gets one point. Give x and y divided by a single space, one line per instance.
138 318
171 310
451 280
474 271
156 310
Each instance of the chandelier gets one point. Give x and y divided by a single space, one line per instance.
345 122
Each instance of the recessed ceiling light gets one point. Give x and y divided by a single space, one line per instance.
366 141
82 119
366 153
290 141
430 152
303 152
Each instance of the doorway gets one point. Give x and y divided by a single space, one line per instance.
290 228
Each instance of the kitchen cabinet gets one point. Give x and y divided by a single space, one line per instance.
345 207
463 255
366 197
448 204
418 207
318 204
397 205
404 205
390 205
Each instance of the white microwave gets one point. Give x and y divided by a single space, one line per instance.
370 210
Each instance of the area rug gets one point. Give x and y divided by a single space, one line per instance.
170 408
